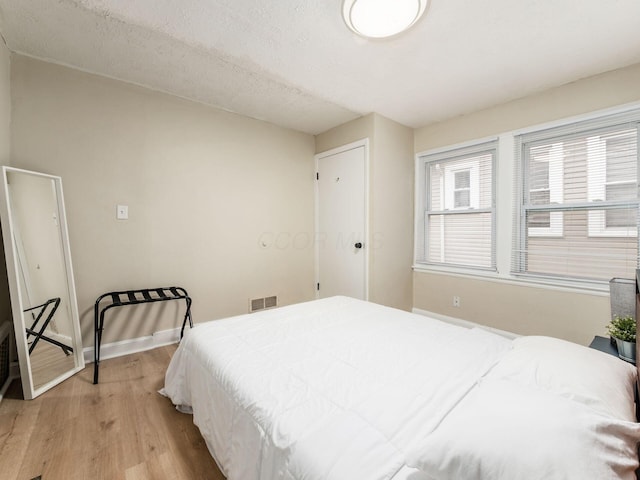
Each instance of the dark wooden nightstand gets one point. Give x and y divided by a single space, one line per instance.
604 345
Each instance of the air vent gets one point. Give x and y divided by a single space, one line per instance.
256 304
271 302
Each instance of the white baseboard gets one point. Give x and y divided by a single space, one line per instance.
59 337
134 345
464 323
111 350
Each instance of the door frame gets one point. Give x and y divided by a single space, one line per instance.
367 251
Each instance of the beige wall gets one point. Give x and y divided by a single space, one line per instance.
518 308
515 308
363 127
583 96
5 149
203 188
392 185
390 203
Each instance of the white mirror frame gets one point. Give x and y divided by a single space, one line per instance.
16 295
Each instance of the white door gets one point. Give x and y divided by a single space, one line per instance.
341 223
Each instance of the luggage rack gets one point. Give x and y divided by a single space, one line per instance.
39 334
134 297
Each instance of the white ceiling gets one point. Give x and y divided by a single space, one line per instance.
294 62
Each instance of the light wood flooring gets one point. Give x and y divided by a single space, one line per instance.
119 429
48 362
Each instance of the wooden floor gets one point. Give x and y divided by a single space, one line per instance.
119 429
48 362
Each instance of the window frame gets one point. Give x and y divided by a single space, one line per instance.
424 208
596 125
507 225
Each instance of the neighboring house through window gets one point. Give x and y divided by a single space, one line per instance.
545 175
579 201
613 178
457 227
462 184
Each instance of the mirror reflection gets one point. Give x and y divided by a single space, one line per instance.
42 295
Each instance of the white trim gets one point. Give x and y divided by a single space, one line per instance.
504 174
587 288
66 339
620 109
457 146
419 199
364 142
464 323
134 345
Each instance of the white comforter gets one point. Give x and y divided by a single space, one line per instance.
330 389
344 389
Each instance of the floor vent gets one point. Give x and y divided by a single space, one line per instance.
256 304
270 302
5 364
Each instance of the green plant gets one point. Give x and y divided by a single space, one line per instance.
623 328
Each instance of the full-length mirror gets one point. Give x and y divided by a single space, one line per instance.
43 298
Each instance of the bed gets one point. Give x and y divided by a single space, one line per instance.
340 388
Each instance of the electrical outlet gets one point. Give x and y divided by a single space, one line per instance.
456 301
122 212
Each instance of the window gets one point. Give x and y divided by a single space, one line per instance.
457 222
578 200
556 204
613 177
545 188
461 182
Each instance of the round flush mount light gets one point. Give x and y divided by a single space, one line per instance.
382 18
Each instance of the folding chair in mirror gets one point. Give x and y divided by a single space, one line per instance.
37 332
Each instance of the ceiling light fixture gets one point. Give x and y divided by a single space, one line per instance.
382 18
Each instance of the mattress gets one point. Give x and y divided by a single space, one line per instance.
344 389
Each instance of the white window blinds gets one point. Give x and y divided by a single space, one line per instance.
578 200
457 225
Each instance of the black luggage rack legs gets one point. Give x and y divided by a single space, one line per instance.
134 297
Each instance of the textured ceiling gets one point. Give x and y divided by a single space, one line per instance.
294 63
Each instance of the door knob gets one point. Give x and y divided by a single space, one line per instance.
358 245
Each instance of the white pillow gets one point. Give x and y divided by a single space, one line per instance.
507 431
599 380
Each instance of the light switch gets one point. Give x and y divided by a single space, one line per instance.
122 212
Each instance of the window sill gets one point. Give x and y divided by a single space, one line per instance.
591 288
